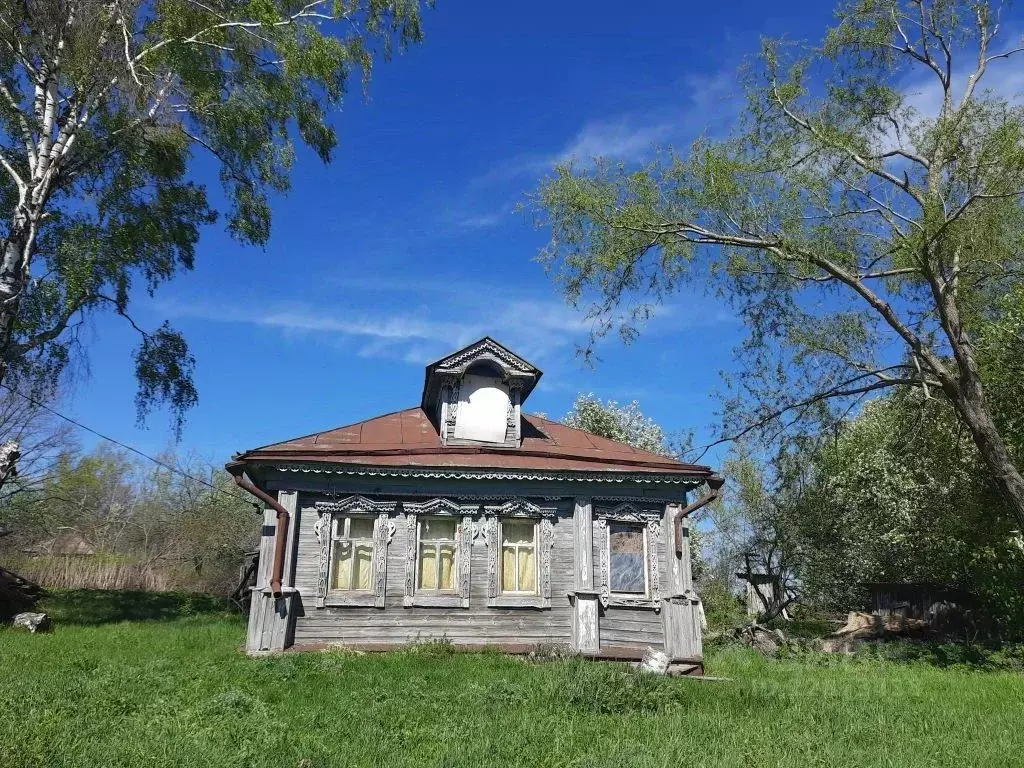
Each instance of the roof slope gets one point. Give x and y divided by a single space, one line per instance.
408 438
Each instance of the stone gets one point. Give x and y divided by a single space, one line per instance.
762 639
33 622
655 662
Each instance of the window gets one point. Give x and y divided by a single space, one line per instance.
352 554
353 534
630 542
519 536
438 558
483 409
627 558
438 545
519 556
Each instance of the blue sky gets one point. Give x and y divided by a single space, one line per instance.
408 245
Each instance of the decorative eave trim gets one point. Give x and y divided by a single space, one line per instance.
459 361
456 473
355 504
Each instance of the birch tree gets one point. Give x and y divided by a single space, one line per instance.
105 105
864 218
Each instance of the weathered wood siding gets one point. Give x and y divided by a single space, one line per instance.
621 626
632 626
396 624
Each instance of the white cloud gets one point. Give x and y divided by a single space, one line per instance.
479 221
708 104
628 138
462 313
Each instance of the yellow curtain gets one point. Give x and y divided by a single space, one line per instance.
508 569
342 565
447 575
428 567
363 566
527 570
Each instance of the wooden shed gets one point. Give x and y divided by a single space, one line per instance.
464 519
923 601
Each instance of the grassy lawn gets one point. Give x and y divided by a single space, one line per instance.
132 680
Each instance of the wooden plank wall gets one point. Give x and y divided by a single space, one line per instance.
395 624
630 626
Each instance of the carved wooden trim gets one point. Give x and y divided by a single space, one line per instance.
410 556
493 543
323 535
629 512
383 532
440 507
546 531
454 386
679 480
491 528
652 533
465 555
355 505
485 350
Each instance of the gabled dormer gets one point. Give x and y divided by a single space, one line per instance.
474 395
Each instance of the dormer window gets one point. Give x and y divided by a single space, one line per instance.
475 395
482 413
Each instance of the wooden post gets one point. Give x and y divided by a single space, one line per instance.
681 612
586 637
272 621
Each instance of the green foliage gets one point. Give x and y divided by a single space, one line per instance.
624 423
131 513
722 607
100 189
862 239
900 495
95 607
178 691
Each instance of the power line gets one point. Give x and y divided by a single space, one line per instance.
136 451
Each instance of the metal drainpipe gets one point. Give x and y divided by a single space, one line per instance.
280 532
715 483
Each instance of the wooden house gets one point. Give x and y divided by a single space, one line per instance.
466 520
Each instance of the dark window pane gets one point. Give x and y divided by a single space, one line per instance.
626 545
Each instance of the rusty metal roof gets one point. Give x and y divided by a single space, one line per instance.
409 439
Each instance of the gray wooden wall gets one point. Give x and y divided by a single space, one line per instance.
475 625
395 624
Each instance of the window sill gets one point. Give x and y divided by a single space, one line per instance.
436 601
518 601
630 601
358 600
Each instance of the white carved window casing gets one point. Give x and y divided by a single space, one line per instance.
519 535
483 407
629 542
353 534
438 554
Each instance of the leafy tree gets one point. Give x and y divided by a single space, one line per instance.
40 438
754 531
104 107
900 495
176 526
625 423
863 235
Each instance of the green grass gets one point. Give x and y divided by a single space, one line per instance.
170 688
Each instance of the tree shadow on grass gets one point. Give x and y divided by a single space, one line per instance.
93 607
